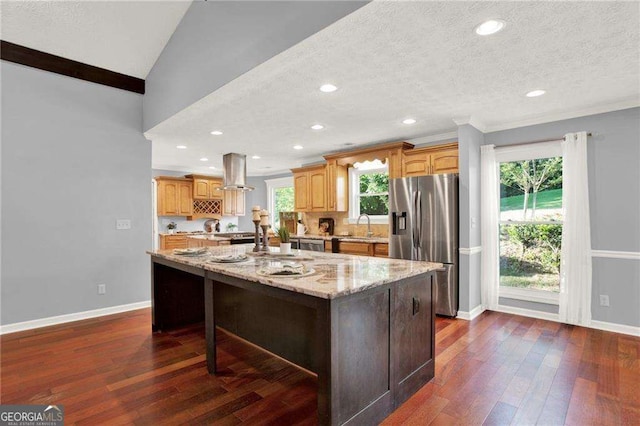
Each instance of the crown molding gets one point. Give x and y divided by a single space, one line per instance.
470 120
566 115
434 138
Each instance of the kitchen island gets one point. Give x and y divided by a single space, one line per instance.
365 326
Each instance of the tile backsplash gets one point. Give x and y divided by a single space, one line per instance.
312 221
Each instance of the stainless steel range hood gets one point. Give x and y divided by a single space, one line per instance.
235 172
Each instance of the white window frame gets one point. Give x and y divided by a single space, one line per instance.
354 195
522 153
272 185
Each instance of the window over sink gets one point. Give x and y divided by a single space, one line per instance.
369 191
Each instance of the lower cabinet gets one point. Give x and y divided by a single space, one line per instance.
173 241
201 242
362 248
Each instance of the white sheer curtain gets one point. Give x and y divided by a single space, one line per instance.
489 211
575 268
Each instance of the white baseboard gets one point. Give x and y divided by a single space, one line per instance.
468 316
598 325
61 319
532 313
616 328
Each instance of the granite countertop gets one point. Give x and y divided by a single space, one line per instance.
335 275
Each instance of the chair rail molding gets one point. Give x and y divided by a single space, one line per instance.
470 250
633 255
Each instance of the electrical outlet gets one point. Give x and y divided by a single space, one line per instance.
123 224
604 300
102 288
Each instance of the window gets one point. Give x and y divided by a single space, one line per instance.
530 223
279 198
369 191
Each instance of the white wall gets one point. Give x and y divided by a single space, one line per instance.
73 161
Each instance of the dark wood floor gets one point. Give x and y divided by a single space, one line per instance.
497 369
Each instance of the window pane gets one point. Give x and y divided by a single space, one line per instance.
530 256
374 183
283 200
531 190
374 204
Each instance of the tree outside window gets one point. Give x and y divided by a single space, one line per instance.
370 192
531 223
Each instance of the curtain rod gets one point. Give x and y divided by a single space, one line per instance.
540 141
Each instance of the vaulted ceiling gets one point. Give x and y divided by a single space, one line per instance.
390 60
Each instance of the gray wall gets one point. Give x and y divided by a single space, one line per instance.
469 141
257 197
614 198
73 161
218 41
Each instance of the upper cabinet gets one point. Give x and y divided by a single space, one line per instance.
310 189
206 188
430 160
337 187
207 197
175 196
233 203
322 188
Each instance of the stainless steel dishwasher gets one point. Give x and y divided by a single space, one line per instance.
309 244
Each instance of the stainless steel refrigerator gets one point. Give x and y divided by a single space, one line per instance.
424 226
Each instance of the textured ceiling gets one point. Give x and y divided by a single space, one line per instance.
122 36
393 60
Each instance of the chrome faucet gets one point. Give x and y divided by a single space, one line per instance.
369 233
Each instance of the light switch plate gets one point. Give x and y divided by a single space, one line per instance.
123 224
604 300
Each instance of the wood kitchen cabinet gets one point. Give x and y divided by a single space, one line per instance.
207 197
173 241
364 249
233 203
203 242
206 187
322 188
430 160
310 189
175 196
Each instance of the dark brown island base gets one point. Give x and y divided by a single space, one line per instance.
364 325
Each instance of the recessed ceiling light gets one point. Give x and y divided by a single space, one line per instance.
409 121
489 27
317 127
181 147
328 88
256 157
298 147
204 159
349 144
216 133
211 167
534 93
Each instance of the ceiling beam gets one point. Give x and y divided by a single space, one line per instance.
45 61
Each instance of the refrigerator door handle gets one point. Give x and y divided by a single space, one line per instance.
419 218
416 235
